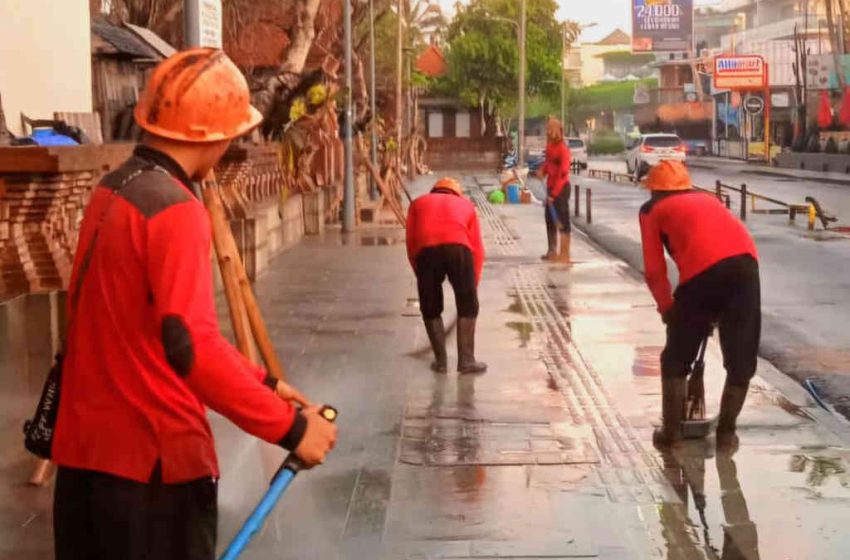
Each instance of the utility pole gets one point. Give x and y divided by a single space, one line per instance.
348 185
374 143
563 77
399 72
191 30
521 123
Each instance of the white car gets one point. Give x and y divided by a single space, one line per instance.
649 149
578 151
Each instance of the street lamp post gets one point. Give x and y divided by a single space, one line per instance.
563 77
348 185
521 122
374 144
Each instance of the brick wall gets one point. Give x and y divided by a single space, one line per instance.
464 153
43 192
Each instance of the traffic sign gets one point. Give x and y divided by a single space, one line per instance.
754 105
740 72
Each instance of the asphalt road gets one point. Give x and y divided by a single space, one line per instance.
805 275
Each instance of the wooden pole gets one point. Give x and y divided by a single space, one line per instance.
225 249
223 238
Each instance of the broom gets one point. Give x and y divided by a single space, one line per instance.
696 387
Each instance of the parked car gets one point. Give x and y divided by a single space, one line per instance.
649 149
578 151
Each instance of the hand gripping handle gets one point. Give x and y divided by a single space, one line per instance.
292 461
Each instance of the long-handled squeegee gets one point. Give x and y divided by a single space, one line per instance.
280 482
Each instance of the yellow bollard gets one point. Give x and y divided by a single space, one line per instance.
812 216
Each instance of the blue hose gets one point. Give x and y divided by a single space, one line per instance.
553 213
258 517
810 387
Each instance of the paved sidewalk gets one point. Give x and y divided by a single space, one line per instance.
804 284
547 455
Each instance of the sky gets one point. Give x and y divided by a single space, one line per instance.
607 14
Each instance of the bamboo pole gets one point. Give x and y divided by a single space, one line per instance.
223 238
383 187
225 249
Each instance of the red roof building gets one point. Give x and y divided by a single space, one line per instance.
431 62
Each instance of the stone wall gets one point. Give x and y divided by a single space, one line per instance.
464 153
30 335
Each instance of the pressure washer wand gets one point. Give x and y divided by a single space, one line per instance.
280 482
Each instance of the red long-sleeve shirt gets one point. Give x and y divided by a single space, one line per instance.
443 217
144 350
697 231
557 167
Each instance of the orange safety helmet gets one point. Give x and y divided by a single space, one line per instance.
450 184
668 175
197 95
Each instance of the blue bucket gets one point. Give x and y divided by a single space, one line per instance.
513 193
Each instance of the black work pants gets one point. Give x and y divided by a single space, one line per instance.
433 265
727 294
561 216
97 516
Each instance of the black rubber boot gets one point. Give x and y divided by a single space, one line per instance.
466 347
552 238
731 404
673 390
437 335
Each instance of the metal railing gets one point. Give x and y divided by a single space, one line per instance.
748 199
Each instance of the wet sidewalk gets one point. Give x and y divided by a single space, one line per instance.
547 455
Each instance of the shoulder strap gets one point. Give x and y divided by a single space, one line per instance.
74 291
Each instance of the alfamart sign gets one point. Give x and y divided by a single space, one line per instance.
740 72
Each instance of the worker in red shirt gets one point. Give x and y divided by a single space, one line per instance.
444 240
556 209
718 284
138 472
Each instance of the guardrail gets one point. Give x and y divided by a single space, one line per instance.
811 208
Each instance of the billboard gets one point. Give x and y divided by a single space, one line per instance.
662 25
740 72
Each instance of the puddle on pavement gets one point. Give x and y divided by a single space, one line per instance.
721 502
378 240
516 305
819 469
523 329
647 361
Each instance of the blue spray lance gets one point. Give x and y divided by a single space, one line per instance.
553 213
280 482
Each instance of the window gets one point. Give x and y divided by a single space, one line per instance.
435 124
662 141
462 127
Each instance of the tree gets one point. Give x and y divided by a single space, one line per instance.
483 54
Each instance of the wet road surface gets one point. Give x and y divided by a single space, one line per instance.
804 274
547 455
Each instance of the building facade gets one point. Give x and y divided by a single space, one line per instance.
55 75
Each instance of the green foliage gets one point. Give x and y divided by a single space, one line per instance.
592 100
482 52
620 57
606 142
